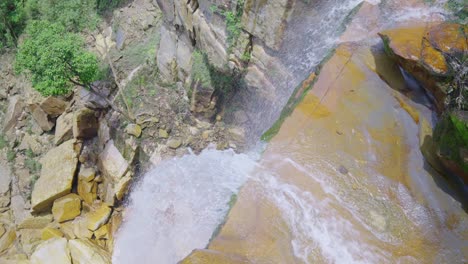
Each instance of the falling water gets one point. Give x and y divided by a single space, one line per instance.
177 206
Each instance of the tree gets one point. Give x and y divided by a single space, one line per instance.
55 59
12 21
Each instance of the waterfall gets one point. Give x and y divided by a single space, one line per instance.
177 206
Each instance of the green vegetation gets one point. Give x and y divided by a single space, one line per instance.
12 22
296 97
74 15
451 137
11 155
233 22
209 76
3 142
31 162
460 10
55 59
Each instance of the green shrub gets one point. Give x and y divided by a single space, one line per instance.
55 59
451 138
12 21
74 15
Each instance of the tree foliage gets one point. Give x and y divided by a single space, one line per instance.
55 59
74 15
12 21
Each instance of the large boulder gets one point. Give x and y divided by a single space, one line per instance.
57 174
112 164
66 208
54 250
64 128
83 251
451 143
5 187
41 117
85 124
422 51
15 107
53 106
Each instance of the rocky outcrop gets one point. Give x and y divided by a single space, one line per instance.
423 52
54 250
83 251
451 143
15 107
85 123
66 208
57 175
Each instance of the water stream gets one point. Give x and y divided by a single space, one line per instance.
342 184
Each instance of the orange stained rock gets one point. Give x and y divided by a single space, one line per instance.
411 44
449 37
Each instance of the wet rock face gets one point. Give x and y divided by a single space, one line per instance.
423 52
451 143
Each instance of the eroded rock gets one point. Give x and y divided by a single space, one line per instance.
54 250
66 208
57 174
85 124
83 251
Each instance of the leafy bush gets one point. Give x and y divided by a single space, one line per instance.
74 15
55 59
12 21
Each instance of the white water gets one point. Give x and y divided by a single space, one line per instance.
178 205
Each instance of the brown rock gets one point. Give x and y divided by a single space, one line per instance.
98 217
66 208
54 250
7 239
53 106
134 130
84 251
111 162
41 118
15 107
85 124
418 51
57 174
64 130
87 187
49 232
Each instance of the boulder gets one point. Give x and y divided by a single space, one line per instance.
451 143
87 187
134 130
83 251
122 186
49 232
212 256
15 107
66 208
92 100
419 51
174 143
41 118
57 174
111 162
85 124
54 250
98 217
7 239
53 106
267 20
63 130
163 133
5 187
29 142
34 222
